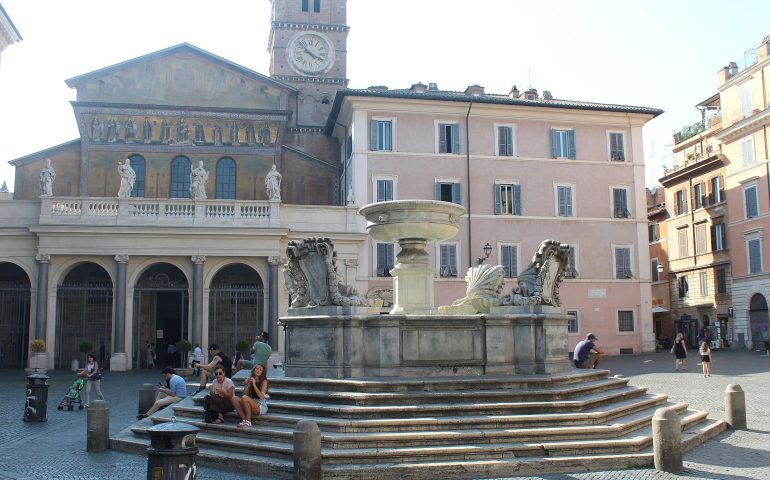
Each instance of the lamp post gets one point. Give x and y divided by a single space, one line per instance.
487 253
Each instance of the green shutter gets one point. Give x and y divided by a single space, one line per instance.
373 135
505 253
456 194
497 200
572 151
438 191
442 147
455 138
516 199
554 140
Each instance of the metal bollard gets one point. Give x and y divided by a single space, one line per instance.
172 451
307 450
735 407
667 440
98 430
36 405
147 394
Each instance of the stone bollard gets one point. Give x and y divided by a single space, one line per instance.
667 440
98 421
735 407
307 450
147 395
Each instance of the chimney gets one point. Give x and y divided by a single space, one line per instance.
531 94
418 88
547 95
432 87
733 69
514 93
764 49
378 88
723 75
475 90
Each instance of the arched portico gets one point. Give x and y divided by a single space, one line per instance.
236 306
15 301
758 321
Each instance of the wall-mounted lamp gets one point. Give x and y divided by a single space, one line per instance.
487 253
660 268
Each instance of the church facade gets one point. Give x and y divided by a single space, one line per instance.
228 165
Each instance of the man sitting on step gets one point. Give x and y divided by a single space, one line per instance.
174 390
587 354
217 358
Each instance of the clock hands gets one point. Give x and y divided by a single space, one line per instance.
313 55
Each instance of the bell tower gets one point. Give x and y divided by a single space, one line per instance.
308 50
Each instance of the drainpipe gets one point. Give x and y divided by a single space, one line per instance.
468 180
344 198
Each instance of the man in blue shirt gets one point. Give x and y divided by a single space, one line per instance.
174 391
587 355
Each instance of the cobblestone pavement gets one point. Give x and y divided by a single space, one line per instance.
56 449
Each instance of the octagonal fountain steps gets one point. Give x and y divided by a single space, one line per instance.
465 427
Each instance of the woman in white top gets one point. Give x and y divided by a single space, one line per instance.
220 397
705 358
93 377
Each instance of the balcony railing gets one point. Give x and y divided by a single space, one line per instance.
688 132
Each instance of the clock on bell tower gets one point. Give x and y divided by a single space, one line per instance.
308 50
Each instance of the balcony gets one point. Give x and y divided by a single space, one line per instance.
688 132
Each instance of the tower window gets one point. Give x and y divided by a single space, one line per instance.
316 6
304 5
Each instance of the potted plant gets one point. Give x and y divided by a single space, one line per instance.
37 345
38 361
183 346
243 346
85 349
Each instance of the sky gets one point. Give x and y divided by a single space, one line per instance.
655 53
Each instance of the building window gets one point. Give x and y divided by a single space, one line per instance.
698 194
138 165
384 259
304 5
448 261
625 321
718 237
684 251
564 200
683 286
448 192
717 193
747 152
623 262
573 326
754 251
654 232
507 199
180 177
751 202
617 152
226 178
721 281
620 203
448 138
700 239
704 286
563 144
654 270
384 189
509 259
680 202
317 6
381 135
505 141
570 270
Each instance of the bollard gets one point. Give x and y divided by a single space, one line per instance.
172 451
98 421
735 407
147 395
307 450
36 405
667 440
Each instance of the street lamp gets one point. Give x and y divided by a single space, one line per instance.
487 253
660 268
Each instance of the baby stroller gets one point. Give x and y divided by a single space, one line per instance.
73 395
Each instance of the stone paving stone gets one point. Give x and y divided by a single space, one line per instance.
56 449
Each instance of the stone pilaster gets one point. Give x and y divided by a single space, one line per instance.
118 358
41 314
272 301
197 299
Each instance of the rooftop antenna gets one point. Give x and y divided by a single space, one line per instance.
529 78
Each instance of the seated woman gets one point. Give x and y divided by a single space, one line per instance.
220 398
254 399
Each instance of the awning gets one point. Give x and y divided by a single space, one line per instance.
657 309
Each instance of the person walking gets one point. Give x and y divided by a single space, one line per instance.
680 352
93 378
705 358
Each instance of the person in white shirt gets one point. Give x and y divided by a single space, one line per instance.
197 358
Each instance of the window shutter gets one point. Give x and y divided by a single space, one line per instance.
497 199
516 199
755 264
380 190
554 140
438 191
456 193
617 202
747 153
373 135
572 151
721 188
562 202
442 147
710 191
501 141
389 257
505 254
455 138
751 202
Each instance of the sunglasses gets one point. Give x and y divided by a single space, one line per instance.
219 373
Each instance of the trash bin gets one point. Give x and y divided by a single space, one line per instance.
36 405
172 451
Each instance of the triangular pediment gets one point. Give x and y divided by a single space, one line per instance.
182 76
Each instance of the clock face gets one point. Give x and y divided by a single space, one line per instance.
310 53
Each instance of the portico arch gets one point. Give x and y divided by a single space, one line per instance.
758 321
15 301
236 306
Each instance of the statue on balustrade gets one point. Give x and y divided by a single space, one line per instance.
47 176
199 177
273 184
127 179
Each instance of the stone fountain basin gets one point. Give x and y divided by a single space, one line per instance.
395 220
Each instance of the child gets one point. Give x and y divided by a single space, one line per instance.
705 358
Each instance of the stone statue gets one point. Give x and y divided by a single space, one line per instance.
539 282
264 134
273 184
484 286
47 176
182 132
147 130
199 177
127 179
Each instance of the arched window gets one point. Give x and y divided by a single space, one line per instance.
180 177
137 163
226 178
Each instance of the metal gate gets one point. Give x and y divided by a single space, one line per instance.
148 303
14 325
236 312
84 313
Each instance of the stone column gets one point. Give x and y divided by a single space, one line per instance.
41 315
197 299
118 357
272 301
